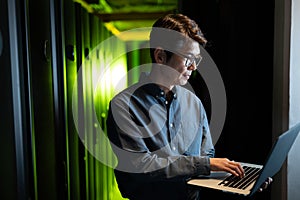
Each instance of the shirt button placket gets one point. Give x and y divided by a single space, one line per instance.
172 126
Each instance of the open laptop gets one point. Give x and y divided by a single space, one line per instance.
255 175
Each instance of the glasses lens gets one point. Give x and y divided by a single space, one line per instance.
194 60
191 59
189 62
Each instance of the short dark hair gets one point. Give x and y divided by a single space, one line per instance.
177 22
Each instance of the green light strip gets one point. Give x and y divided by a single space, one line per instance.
34 158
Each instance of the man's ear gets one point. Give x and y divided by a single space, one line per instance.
160 56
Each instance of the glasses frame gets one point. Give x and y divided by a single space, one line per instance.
190 59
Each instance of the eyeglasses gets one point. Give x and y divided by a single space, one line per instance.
190 59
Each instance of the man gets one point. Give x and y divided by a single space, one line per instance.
158 129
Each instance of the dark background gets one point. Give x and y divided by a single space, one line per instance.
240 41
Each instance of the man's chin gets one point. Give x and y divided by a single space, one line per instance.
183 82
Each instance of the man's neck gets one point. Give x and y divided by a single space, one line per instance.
156 78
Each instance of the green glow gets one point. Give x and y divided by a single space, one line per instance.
99 179
34 158
97 92
135 55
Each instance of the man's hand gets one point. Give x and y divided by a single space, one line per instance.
265 184
235 168
224 164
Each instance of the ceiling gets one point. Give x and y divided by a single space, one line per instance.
123 15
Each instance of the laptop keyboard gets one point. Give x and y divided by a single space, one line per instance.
251 174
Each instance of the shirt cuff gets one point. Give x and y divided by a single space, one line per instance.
202 166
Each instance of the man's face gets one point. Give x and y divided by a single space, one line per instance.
178 62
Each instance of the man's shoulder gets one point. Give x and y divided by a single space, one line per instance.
186 91
188 96
126 92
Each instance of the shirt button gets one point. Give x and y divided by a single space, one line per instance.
171 125
162 93
166 102
174 148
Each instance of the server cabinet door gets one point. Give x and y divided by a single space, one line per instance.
48 151
8 180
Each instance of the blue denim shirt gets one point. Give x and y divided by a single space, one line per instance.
159 141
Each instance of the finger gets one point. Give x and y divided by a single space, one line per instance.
241 170
233 172
270 180
231 169
265 185
238 168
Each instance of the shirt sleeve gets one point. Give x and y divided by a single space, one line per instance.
135 158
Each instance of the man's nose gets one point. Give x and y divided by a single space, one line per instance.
193 66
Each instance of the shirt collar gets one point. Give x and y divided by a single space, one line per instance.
153 88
